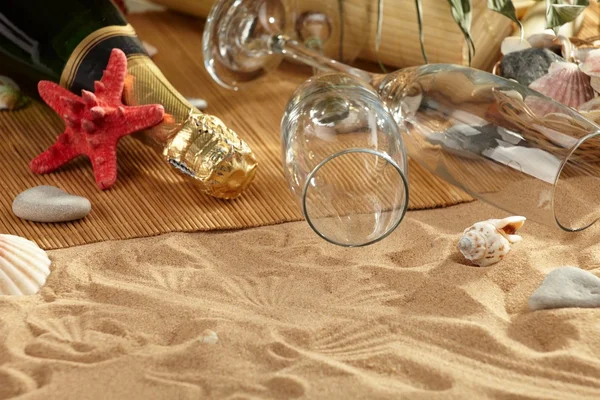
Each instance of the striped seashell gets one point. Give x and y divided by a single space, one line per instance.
566 84
24 267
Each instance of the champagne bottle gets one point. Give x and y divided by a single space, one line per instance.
70 43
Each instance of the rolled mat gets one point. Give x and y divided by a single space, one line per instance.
149 198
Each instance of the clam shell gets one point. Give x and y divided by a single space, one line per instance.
591 64
24 267
566 84
11 97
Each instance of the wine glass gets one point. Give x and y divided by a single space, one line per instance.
344 160
497 140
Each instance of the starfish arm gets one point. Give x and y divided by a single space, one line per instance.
56 156
135 118
105 167
113 79
57 97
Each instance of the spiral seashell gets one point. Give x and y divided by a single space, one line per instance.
487 242
566 84
11 97
24 267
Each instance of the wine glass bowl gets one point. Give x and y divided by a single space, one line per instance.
499 141
344 160
313 28
236 40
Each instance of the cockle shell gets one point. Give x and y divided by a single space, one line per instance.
591 67
24 267
566 84
487 242
11 97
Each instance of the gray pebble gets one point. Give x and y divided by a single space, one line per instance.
526 66
50 204
567 287
200 104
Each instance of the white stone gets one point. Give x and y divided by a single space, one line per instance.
200 104
567 287
50 204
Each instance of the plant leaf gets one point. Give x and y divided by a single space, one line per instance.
559 13
419 7
461 12
506 8
378 34
342 19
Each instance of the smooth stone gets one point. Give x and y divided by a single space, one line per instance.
50 204
526 66
200 104
567 287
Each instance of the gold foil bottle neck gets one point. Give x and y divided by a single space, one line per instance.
208 151
196 144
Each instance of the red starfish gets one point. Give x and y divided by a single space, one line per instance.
94 122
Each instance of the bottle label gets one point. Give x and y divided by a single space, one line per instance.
87 62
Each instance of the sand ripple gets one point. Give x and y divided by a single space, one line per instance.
298 318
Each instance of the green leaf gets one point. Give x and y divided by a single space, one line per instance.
559 13
461 12
506 8
421 35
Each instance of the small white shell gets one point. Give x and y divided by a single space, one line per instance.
209 337
565 83
24 267
487 242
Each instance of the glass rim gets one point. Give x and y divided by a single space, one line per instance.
388 159
563 163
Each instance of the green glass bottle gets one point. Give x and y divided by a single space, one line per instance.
72 46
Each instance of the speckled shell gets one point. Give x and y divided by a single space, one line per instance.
24 267
487 242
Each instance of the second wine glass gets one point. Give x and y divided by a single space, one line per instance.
497 140
344 160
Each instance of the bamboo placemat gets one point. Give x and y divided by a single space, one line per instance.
149 198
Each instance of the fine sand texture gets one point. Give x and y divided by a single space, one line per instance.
278 313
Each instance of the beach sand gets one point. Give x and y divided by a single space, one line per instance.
296 317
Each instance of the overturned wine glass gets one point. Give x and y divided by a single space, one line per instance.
497 140
344 160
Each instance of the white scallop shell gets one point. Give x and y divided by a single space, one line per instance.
24 267
565 83
487 242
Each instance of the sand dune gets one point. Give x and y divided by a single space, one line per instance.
296 317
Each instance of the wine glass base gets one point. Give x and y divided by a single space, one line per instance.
236 41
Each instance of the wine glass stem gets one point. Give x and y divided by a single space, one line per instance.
283 45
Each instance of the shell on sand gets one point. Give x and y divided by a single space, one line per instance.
566 84
24 267
487 242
